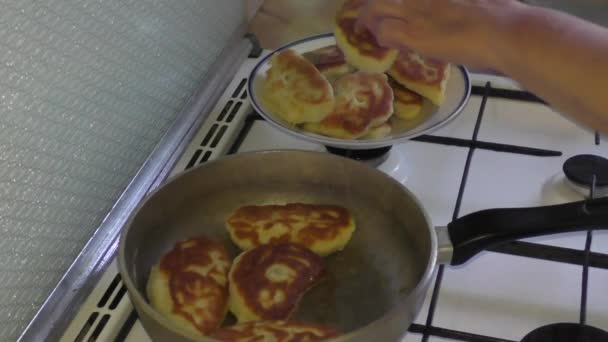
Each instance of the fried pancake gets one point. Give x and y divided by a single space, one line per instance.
295 90
330 62
190 287
407 104
275 331
358 44
267 282
363 100
424 76
323 229
379 132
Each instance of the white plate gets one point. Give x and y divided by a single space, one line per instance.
457 94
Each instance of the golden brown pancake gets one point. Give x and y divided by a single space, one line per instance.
358 44
407 104
363 100
330 62
323 229
379 132
424 76
267 282
295 90
190 285
275 331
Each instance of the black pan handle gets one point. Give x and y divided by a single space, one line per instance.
480 230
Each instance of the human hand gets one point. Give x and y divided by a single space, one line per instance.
456 31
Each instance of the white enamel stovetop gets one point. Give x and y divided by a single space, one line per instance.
495 295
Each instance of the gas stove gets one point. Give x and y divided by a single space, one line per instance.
506 149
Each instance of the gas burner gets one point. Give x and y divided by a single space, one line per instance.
373 157
580 171
566 332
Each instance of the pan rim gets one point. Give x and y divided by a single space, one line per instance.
139 298
346 143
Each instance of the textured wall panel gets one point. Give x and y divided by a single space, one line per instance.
87 88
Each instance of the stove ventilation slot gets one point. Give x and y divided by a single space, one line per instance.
213 135
106 295
239 88
93 328
87 326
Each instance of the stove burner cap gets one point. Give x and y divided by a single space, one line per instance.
566 332
580 170
373 156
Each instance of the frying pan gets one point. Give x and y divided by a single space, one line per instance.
377 284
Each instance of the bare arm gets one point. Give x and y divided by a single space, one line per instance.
560 58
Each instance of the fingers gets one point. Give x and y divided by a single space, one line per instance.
384 8
395 8
375 10
393 33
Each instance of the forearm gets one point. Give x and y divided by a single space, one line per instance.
560 58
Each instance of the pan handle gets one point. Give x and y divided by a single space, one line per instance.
480 230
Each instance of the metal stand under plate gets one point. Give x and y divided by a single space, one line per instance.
373 157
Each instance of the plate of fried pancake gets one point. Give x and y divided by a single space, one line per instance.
342 89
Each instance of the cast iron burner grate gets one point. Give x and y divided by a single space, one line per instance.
373 156
566 332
